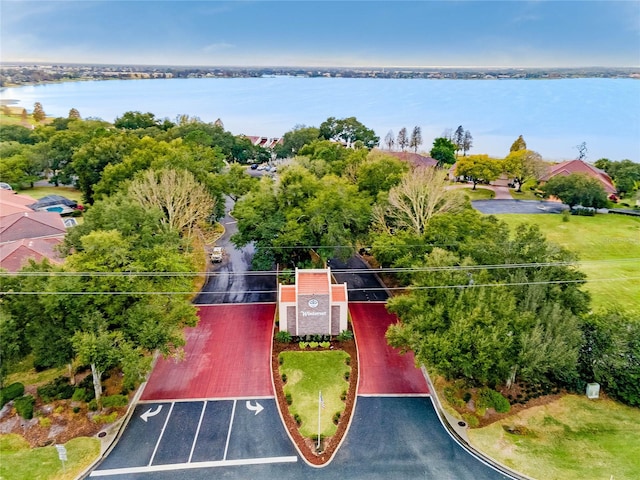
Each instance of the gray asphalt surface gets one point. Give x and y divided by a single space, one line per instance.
363 286
517 206
232 281
390 438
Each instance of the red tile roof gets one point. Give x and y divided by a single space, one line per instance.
15 255
578 166
30 225
288 293
339 293
414 159
312 282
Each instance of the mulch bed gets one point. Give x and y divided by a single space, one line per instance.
307 446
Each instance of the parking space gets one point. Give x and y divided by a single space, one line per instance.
176 436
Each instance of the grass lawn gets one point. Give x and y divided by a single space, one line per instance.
311 372
20 462
571 438
39 192
608 247
479 193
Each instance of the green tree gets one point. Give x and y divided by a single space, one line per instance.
236 181
576 189
518 144
625 174
294 140
478 168
38 112
379 173
444 151
523 165
135 120
15 133
610 354
348 130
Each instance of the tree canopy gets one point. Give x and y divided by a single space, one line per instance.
348 130
576 189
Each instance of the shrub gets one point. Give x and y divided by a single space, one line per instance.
492 399
283 337
115 401
347 361
284 378
24 406
58 389
45 422
336 418
303 345
325 344
87 384
288 398
93 405
466 397
345 335
76 409
280 359
11 392
79 395
343 395
471 420
347 375
313 344
297 418
110 418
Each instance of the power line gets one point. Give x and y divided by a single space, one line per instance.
265 292
333 270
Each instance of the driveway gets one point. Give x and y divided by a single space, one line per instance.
232 280
517 206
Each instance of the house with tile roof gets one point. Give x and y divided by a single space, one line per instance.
26 234
413 159
583 168
312 305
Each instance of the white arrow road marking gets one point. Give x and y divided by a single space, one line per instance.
257 408
151 413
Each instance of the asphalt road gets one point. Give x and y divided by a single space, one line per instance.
517 206
232 280
363 285
390 437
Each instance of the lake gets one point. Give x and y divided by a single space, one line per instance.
554 116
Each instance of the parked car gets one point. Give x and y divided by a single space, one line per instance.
254 166
217 254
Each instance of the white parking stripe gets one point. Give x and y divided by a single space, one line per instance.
166 420
195 438
233 413
186 466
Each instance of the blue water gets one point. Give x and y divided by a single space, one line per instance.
554 116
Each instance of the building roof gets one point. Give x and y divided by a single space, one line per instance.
414 159
15 255
339 292
580 167
30 225
11 202
313 282
288 293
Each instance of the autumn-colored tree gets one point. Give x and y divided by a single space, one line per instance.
74 114
416 138
38 112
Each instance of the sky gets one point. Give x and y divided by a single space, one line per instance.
424 33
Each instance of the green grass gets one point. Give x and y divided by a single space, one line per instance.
308 373
479 193
608 247
20 462
39 192
571 438
24 372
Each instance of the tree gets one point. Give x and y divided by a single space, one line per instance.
625 174
295 139
576 189
236 182
379 173
38 112
458 138
610 354
444 151
582 151
348 130
467 142
135 120
523 165
420 196
74 114
518 144
182 199
389 140
403 139
478 168
416 139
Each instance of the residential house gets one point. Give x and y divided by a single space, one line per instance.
583 168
